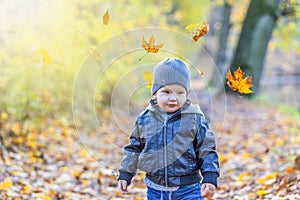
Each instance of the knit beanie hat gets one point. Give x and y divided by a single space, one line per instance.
171 71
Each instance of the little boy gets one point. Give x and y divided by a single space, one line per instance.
171 141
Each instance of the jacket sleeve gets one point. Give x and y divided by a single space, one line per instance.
132 151
208 161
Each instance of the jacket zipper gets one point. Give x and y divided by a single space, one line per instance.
165 152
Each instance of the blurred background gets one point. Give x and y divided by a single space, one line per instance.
44 43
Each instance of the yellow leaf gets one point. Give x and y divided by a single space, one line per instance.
46 57
261 180
16 128
106 18
77 173
148 76
27 187
150 46
42 196
238 82
243 175
138 198
223 158
247 155
271 176
19 140
279 142
262 192
191 26
85 182
4 115
252 195
5 184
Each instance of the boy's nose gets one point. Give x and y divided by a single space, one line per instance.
172 97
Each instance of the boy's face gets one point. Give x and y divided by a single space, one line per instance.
171 97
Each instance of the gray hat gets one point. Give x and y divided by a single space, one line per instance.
171 71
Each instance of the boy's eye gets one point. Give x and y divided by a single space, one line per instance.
166 91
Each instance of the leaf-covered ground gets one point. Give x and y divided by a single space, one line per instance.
259 148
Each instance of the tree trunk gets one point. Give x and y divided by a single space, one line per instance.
254 38
221 59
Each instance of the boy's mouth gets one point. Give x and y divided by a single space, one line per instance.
172 105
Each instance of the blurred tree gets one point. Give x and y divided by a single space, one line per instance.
254 38
221 57
223 39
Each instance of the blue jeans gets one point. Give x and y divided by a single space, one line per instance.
186 192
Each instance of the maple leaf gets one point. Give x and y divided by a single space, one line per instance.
148 76
150 46
106 18
238 82
200 31
46 57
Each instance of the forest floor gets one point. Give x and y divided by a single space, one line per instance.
258 146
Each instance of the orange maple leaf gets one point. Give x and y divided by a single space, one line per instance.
200 31
237 82
150 46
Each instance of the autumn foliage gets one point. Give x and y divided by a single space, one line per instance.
257 155
238 82
149 46
200 31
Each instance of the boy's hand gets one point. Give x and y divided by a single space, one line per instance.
208 190
122 186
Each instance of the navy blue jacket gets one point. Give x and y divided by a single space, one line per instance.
171 148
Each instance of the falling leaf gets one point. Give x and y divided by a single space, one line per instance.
106 18
238 82
201 31
150 46
148 76
46 57
191 26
